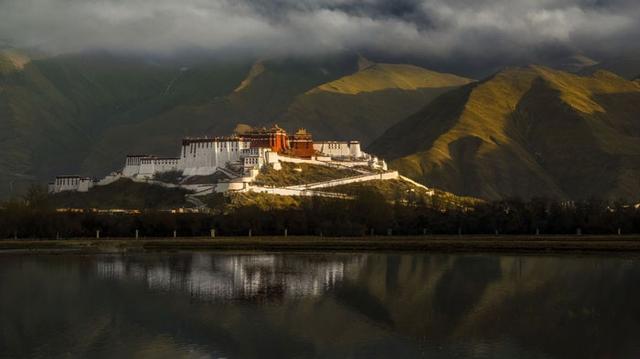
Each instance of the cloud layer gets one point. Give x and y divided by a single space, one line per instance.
441 28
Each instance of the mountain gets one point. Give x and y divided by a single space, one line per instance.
364 104
253 94
626 65
575 63
56 110
525 132
12 60
82 113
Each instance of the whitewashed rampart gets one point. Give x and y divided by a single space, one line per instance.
339 182
430 191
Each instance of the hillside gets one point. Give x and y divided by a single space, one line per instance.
575 63
525 132
82 113
57 110
626 65
301 173
12 60
364 104
131 195
123 194
397 191
255 95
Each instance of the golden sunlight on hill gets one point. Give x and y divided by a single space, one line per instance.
11 60
525 132
377 77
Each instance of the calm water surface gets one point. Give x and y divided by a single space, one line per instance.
319 305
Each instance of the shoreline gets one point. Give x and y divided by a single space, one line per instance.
452 243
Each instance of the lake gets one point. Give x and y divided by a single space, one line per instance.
319 305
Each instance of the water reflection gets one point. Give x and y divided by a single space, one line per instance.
357 305
211 276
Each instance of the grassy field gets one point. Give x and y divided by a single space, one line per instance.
534 244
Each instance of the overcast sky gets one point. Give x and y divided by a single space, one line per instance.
438 28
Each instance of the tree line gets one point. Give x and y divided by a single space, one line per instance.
369 213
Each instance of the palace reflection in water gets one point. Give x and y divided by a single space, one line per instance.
319 305
208 276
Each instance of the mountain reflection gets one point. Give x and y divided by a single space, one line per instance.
322 305
210 276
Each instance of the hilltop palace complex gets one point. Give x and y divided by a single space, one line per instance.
222 164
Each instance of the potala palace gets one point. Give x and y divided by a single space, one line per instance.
223 164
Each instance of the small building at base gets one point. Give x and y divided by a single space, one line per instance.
71 183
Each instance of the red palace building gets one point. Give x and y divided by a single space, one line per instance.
274 138
302 144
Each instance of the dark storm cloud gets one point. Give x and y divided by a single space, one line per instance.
482 28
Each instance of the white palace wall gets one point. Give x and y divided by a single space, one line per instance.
198 157
152 165
202 157
167 164
339 148
71 183
132 165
